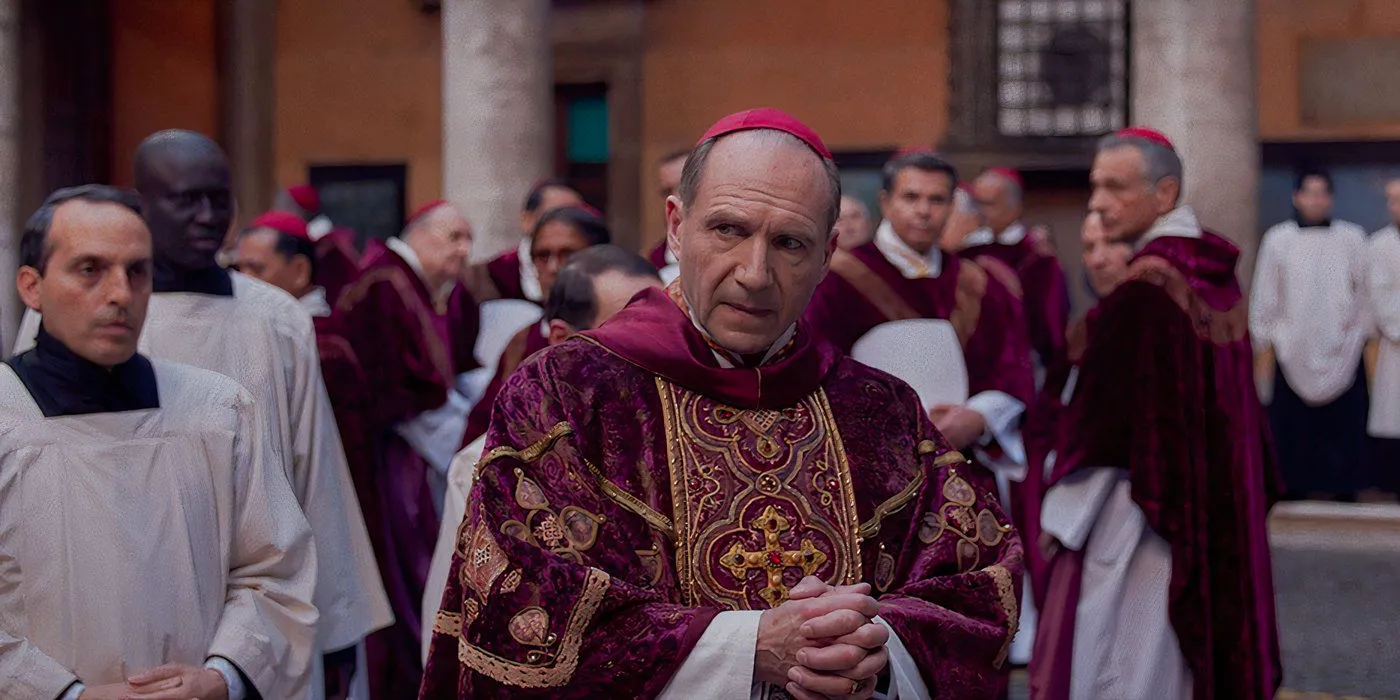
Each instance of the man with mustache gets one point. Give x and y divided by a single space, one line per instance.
151 546
256 334
705 498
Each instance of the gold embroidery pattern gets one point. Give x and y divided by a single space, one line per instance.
483 561
884 570
511 582
632 503
1006 598
531 453
447 623
569 533
530 627
747 512
562 665
955 516
871 527
653 563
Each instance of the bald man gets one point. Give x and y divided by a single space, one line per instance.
412 326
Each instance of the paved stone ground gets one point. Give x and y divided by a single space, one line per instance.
1337 586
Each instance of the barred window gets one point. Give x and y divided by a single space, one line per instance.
1061 67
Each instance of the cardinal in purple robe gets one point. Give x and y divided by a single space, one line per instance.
1026 250
706 498
512 274
903 274
336 256
1165 470
413 329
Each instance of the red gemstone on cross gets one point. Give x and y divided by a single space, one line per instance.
775 558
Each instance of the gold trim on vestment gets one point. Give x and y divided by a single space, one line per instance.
843 473
561 670
871 527
531 453
632 503
1006 598
447 623
949 459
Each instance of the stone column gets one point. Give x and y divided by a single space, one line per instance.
248 61
1194 79
498 117
10 216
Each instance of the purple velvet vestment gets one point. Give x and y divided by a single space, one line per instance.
632 489
1166 392
1044 294
410 354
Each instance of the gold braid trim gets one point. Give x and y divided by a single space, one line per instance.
1006 598
632 503
561 671
871 527
447 623
530 454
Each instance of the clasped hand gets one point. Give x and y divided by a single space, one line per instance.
168 682
822 642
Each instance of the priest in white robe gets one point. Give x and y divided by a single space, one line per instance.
1309 308
149 544
205 316
1383 425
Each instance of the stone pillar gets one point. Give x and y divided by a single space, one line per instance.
498 117
1194 79
248 55
10 216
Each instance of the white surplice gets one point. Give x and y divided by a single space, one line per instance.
263 339
1309 303
1384 296
454 509
134 539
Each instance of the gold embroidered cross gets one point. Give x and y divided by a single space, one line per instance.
772 559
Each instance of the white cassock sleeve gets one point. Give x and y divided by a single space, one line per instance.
454 509
268 627
26 672
349 592
720 667
1003 415
1385 284
1072 506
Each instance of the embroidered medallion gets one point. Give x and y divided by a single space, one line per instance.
884 570
530 627
751 516
528 493
957 490
483 561
580 527
511 581
652 563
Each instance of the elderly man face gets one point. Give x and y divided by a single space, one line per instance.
443 242
853 226
1128 202
998 199
756 240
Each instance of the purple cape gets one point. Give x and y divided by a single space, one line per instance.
657 256
1166 391
410 354
626 490
522 345
337 263
1044 293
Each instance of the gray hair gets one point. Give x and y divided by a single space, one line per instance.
1159 162
1014 191
694 170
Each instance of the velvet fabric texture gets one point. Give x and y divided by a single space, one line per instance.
1166 392
1044 292
337 262
504 272
410 353
632 489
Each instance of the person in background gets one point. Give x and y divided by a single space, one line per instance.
1309 308
512 275
854 226
334 252
152 545
412 326
1383 425
668 179
594 285
559 235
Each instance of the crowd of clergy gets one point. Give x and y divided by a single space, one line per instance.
799 449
